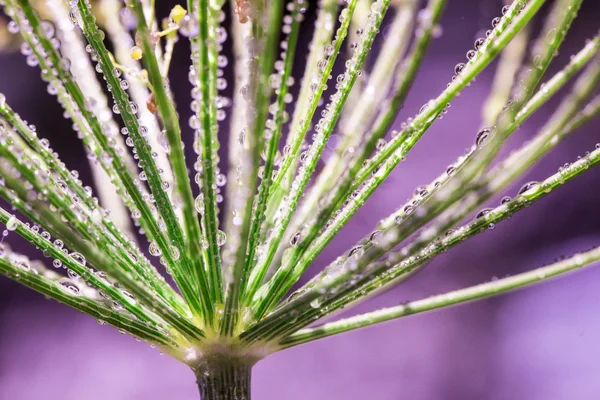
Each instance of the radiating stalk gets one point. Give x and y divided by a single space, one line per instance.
400 225
484 290
326 300
272 134
322 36
47 282
73 48
172 249
324 129
511 23
123 42
205 139
261 91
355 121
373 247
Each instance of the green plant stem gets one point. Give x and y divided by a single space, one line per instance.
199 305
206 135
73 48
262 92
45 281
510 61
349 292
398 226
483 290
324 29
85 273
141 264
387 71
224 377
195 275
249 47
275 130
120 263
503 33
376 248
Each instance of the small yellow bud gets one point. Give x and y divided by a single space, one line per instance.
144 74
177 13
136 53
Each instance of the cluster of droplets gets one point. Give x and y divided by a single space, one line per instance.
73 286
62 69
280 81
385 236
217 36
344 82
57 73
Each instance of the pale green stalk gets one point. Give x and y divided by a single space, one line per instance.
500 37
272 133
133 271
255 134
495 287
327 299
176 248
73 48
45 281
123 42
386 235
324 129
249 47
324 30
356 120
206 140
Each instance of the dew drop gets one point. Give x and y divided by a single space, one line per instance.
482 137
12 223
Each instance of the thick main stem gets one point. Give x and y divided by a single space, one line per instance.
224 378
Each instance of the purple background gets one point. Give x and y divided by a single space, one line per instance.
539 343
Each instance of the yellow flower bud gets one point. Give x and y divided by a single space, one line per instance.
177 13
136 53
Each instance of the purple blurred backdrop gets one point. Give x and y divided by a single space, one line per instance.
538 343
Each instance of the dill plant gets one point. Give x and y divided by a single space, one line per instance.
228 302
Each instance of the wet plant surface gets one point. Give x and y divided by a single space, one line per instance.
206 252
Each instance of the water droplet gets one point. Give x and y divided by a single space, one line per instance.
295 239
483 213
69 286
482 137
221 238
174 252
529 189
79 258
12 223
154 249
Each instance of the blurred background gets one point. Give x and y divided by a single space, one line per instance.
538 343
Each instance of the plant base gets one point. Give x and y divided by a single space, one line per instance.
221 377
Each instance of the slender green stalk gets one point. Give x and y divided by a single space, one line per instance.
273 134
51 284
73 48
324 30
205 138
179 259
578 261
325 299
503 33
386 72
195 274
261 90
435 196
385 235
96 213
